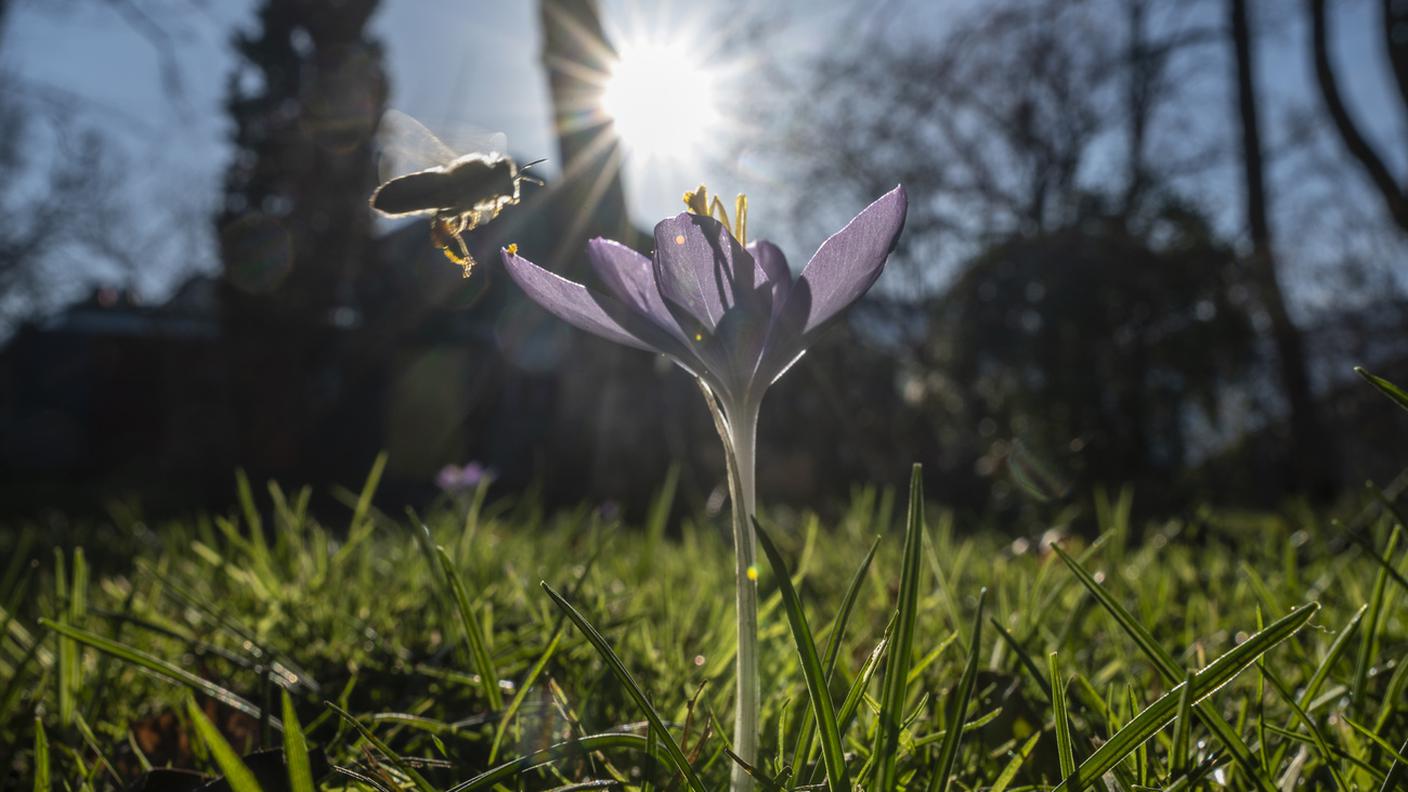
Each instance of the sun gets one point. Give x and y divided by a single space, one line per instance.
661 104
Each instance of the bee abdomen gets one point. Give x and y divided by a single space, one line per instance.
416 192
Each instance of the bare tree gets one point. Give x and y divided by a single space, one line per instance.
1390 188
1311 459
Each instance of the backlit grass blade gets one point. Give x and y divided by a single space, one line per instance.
633 689
1169 669
1206 682
473 633
154 664
1183 729
837 776
521 694
577 747
300 769
1397 394
901 644
1368 640
391 756
958 710
1332 655
1397 772
801 752
237 773
41 758
1065 753
1024 658
1015 764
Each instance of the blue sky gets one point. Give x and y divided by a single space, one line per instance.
477 62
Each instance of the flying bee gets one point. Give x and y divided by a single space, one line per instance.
460 192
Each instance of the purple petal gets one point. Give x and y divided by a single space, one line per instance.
572 302
774 266
631 278
847 264
702 269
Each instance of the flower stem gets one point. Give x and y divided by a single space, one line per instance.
745 724
738 429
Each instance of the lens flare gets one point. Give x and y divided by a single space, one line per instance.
661 104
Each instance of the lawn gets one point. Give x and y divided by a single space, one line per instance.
381 628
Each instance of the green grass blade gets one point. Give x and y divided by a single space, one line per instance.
1206 682
801 752
364 498
237 773
1368 640
154 664
948 750
633 689
1015 764
1183 728
41 758
1396 772
1385 387
577 747
1170 670
391 756
1332 655
901 645
473 633
521 694
300 769
837 776
1023 657
1065 752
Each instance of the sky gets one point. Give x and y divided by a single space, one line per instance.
478 62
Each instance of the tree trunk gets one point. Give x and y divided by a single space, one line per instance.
1310 468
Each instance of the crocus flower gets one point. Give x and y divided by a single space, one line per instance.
729 312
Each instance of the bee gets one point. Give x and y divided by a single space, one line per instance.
460 192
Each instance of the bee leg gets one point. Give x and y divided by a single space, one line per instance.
442 230
467 261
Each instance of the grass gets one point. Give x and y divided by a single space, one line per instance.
493 646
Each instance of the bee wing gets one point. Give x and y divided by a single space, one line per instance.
407 146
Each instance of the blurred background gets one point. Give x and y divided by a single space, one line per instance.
1148 240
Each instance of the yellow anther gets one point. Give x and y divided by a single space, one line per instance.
697 202
698 336
679 239
512 248
752 573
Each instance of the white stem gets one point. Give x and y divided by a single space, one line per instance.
743 434
738 431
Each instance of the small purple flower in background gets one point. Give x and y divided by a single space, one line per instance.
730 313
453 478
608 511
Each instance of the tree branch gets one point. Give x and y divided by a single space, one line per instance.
1354 140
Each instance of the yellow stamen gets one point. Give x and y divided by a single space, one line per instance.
512 248
740 217
679 239
718 212
698 336
697 202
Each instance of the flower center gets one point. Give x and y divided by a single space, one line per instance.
698 202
